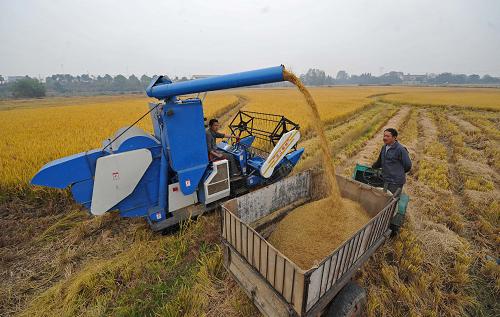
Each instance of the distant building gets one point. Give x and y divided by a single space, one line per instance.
410 79
399 75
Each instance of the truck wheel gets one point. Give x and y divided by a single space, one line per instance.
349 302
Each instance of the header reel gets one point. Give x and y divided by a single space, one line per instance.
266 128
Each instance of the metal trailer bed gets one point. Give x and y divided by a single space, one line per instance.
277 286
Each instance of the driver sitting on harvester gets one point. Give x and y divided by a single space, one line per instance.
213 153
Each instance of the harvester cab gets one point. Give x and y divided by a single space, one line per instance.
167 176
266 147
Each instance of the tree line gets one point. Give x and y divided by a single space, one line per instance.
317 77
66 84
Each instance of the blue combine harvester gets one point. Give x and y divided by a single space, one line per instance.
167 177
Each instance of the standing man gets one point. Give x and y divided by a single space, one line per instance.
213 153
394 161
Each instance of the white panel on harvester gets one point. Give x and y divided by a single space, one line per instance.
177 200
285 144
116 177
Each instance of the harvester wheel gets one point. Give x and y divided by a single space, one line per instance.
349 302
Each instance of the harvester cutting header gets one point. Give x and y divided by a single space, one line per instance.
168 176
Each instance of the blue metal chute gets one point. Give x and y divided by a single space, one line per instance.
63 172
72 169
162 89
78 172
187 146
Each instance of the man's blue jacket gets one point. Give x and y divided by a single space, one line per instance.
395 162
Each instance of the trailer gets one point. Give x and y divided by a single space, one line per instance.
278 286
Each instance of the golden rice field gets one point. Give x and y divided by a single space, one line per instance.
333 102
38 131
454 96
56 260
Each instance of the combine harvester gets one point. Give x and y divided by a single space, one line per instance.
168 177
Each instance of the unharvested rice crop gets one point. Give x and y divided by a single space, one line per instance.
332 102
35 132
453 96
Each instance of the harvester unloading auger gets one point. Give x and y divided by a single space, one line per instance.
167 177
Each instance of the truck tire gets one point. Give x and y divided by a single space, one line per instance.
349 302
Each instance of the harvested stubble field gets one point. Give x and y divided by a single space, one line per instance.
57 261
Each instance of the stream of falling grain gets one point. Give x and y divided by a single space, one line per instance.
312 231
323 141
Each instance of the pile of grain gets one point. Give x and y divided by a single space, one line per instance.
312 231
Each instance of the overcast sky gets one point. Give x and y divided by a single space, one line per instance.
215 37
